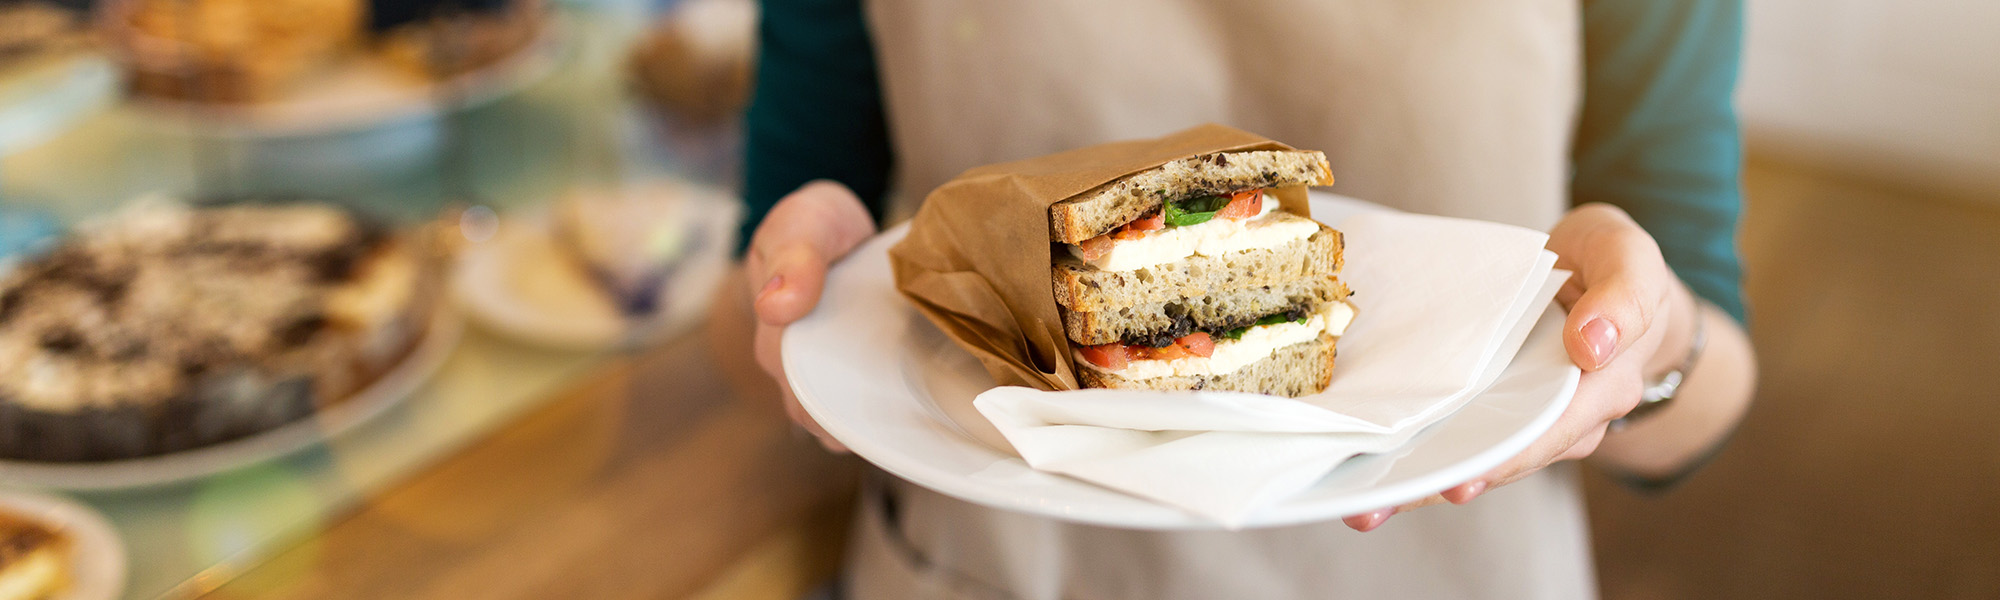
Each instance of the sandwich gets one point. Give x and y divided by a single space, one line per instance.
1192 276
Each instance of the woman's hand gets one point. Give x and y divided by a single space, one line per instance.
1629 317
786 268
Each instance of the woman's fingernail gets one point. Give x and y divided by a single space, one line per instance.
1465 493
1602 338
1369 521
1380 517
777 281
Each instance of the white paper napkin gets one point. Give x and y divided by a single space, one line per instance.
1444 305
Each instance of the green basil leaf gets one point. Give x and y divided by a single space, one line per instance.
1235 334
1204 204
1193 211
1180 219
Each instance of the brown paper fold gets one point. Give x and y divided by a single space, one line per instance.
976 261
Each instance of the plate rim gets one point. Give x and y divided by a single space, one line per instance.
1154 515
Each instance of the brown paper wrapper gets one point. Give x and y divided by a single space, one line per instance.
977 258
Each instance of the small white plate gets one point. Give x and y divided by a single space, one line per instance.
886 383
97 555
387 391
520 285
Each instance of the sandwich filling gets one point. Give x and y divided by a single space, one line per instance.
1181 229
1210 356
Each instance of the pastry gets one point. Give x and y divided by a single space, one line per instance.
697 63
629 241
433 40
167 328
230 51
33 32
34 559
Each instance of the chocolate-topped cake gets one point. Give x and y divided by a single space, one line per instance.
169 327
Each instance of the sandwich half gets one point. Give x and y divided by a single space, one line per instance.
1189 276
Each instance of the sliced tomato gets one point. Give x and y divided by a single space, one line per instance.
1110 356
1138 229
1168 352
1243 205
1197 343
1095 248
1155 221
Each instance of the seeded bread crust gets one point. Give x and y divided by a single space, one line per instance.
1225 310
1114 204
1297 370
1080 287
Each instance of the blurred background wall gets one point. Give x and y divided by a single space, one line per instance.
1869 466
1898 92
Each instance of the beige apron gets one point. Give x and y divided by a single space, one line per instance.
1455 107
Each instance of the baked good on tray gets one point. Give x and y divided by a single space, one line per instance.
34 559
229 50
435 39
258 51
34 32
1188 276
165 327
697 63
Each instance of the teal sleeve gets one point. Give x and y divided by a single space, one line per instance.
817 109
1658 135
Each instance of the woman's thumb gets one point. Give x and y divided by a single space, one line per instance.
1619 269
802 235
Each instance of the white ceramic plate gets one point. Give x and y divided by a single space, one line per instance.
885 382
97 556
565 310
387 391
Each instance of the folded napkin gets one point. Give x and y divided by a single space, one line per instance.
1444 304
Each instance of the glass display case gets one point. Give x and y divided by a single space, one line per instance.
557 212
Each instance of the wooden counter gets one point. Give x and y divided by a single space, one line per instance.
651 478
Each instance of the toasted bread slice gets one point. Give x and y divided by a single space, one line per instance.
1079 287
1114 204
1297 370
1158 323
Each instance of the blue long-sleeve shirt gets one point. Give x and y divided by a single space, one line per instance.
1658 134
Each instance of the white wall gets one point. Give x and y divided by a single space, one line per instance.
1904 91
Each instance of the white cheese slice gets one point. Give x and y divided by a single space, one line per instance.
1258 343
1217 236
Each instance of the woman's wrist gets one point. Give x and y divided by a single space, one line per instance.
1666 445
1684 318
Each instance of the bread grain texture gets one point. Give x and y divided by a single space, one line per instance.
1112 205
1080 287
1224 310
1297 370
